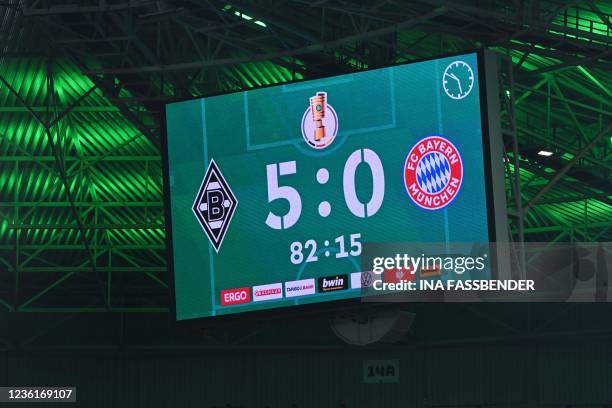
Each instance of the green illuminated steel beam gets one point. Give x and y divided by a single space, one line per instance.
70 270
558 228
593 79
569 165
7 305
57 153
604 18
86 159
115 173
58 282
94 310
43 204
324 45
565 147
102 226
78 109
73 247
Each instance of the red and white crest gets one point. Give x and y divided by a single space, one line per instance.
433 172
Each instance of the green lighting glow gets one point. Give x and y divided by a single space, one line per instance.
249 18
582 20
567 156
246 17
595 81
545 153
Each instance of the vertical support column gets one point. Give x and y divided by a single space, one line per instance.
146 196
548 109
496 146
520 214
17 237
56 148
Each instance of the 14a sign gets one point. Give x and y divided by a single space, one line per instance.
381 371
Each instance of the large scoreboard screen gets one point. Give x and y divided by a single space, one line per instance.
274 192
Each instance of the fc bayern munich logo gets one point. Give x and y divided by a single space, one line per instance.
433 173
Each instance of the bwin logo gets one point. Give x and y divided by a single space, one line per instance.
330 283
333 282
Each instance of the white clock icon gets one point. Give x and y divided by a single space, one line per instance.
458 80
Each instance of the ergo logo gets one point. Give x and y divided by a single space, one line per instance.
235 296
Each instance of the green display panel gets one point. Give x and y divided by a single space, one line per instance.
273 192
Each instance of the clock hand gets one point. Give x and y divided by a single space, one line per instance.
453 76
460 90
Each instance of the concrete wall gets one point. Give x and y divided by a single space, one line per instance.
512 375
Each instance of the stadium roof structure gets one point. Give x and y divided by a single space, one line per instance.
82 87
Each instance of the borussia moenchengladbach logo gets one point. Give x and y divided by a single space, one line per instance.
214 205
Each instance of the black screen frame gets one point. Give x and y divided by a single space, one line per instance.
305 310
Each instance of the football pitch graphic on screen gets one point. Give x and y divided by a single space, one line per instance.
274 191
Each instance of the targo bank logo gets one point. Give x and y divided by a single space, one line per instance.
331 283
433 172
300 288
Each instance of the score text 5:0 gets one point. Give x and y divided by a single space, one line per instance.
292 196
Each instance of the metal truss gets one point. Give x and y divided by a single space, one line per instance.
101 253
77 266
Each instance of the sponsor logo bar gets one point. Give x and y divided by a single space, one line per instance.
300 288
431 271
397 275
332 283
235 296
363 279
267 292
355 280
